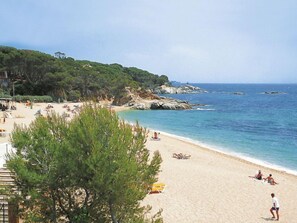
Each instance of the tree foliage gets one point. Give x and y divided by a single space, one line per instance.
94 168
36 73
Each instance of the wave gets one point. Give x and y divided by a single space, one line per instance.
205 109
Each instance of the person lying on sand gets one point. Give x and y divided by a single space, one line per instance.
270 180
258 176
155 136
38 113
180 156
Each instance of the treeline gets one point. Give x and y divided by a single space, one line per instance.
30 72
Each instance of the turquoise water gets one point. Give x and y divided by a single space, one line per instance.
255 126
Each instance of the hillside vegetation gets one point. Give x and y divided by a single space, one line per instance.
30 72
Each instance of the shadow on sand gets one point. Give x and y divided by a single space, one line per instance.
269 219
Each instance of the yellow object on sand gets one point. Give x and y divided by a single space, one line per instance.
157 188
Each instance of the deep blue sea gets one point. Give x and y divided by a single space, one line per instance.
255 126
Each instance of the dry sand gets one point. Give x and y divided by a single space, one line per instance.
208 187
214 187
24 115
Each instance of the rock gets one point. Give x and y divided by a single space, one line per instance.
162 104
141 106
156 105
184 89
273 92
198 105
123 100
175 106
238 93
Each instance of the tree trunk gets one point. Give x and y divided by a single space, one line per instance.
13 213
112 213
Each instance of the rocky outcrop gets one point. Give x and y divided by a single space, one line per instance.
273 92
238 93
162 104
184 89
144 100
129 96
122 100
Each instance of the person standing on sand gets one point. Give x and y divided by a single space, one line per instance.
275 207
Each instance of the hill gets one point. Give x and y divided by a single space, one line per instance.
28 72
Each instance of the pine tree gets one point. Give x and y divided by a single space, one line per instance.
94 168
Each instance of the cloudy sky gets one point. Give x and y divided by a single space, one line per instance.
203 41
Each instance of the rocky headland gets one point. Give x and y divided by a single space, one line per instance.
146 99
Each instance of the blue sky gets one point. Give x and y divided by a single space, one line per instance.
210 41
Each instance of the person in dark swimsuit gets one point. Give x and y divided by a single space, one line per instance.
258 176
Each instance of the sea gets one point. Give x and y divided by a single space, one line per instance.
255 122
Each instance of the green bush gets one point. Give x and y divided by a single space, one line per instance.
24 98
74 95
5 96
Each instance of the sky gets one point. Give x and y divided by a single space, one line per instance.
196 41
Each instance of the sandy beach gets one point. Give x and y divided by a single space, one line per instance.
208 187
24 115
214 187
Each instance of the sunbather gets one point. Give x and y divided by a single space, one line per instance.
176 155
155 136
270 180
258 176
180 156
38 113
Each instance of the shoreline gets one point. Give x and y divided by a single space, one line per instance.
234 155
213 186
237 156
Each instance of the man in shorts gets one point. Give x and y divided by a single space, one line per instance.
275 207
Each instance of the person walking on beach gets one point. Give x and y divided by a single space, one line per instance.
275 207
